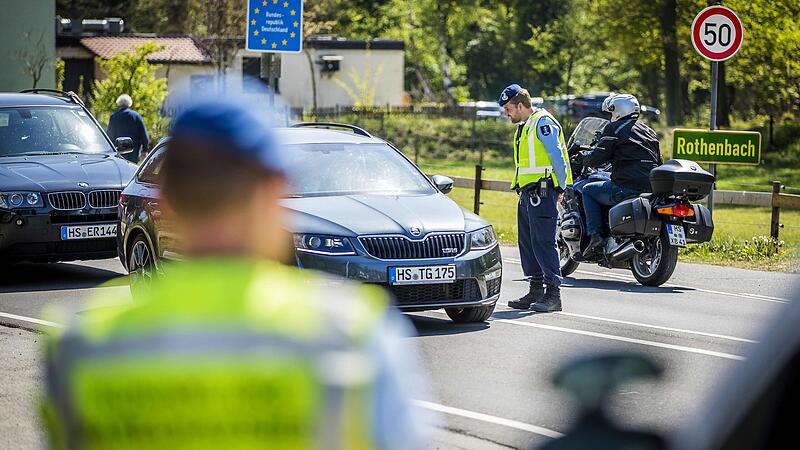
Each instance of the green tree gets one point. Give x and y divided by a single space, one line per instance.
130 73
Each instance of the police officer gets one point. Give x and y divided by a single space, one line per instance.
542 173
230 349
633 149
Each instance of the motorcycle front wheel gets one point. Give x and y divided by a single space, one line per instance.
568 265
655 265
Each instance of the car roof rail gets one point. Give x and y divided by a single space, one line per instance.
66 94
353 128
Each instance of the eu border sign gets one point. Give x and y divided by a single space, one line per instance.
275 26
717 147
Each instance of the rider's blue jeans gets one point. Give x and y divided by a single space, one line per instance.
600 193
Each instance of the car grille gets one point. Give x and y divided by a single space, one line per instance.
58 219
493 287
67 200
104 199
399 247
422 294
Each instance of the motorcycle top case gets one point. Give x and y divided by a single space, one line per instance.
634 217
681 176
699 228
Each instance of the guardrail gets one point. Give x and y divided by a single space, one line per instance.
776 199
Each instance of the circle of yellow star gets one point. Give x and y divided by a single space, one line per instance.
292 12
253 21
291 35
264 3
274 45
263 42
256 10
283 42
296 24
285 4
274 2
255 33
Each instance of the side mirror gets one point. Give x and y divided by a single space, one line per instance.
124 145
443 183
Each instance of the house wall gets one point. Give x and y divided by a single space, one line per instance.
20 17
376 75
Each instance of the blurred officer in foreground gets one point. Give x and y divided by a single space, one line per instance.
632 148
543 172
126 122
230 349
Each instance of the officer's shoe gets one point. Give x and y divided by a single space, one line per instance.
551 300
596 242
536 294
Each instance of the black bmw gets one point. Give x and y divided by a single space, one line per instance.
60 180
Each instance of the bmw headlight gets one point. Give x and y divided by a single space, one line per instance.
21 200
323 245
483 238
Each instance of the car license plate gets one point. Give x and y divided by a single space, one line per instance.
677 237
103 230
422 275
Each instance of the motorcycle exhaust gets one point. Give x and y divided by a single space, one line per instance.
627 251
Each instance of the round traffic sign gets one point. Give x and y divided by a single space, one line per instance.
717 33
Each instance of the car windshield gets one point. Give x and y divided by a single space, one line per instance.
341 169
49 130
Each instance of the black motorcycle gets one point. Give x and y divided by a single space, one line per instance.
644 232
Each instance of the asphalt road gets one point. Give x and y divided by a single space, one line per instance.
491 382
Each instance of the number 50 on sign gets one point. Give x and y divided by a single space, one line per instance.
717 33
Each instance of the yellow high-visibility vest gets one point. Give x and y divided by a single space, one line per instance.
531 168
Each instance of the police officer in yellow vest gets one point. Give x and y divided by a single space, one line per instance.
230 349
542 173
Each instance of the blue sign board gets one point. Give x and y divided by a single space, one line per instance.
275 26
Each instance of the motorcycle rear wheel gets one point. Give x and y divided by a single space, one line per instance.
655 265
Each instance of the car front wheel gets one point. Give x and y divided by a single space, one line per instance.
470 315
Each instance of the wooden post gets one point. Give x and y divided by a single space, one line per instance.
477 206
776 211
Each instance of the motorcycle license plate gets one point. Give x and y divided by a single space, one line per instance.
422 275
677 237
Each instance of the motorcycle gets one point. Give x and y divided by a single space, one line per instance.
644 232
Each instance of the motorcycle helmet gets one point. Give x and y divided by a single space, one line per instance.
621 106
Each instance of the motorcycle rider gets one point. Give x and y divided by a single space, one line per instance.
633 150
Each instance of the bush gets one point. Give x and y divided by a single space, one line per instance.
725 247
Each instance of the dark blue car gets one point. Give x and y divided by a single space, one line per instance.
359 209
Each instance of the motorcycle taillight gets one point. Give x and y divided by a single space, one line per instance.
682 210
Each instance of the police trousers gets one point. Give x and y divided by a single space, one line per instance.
536 235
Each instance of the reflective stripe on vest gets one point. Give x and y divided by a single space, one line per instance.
532 167
163 375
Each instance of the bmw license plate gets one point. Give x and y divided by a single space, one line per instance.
422 275
677 237
99 231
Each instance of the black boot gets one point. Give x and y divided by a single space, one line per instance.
596 242
535 294
551 300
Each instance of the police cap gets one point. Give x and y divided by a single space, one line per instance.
508 93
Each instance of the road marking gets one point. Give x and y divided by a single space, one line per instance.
31 320
658 327
625 339
489 419
618 276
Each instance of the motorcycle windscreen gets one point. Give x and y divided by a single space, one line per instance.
586 131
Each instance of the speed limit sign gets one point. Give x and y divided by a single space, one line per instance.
717 33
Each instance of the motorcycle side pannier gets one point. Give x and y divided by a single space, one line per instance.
634 216
681 176
699 228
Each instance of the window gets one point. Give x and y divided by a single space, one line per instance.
49 130
151 169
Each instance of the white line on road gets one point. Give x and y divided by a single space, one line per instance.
489 419
31 320
619 276
658 327
625 339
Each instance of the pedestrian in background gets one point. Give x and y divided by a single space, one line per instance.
229 348
542 173
125 122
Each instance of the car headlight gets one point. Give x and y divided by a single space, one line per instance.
483 238
20 200
323 245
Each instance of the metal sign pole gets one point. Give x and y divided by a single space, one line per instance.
713 126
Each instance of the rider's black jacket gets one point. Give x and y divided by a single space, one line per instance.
632 149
